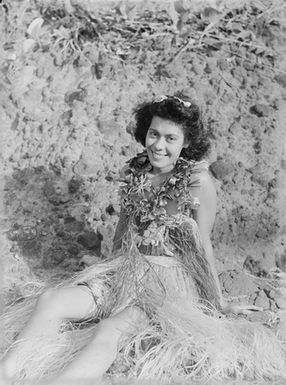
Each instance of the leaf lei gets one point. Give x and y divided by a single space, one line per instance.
140 198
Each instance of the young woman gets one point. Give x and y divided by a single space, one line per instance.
157 301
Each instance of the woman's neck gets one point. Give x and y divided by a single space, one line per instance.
165 171
159 178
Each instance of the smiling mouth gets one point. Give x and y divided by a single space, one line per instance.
157 155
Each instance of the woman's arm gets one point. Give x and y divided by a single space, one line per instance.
122 223
205 217
120 231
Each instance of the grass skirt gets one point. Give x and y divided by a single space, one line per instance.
184 339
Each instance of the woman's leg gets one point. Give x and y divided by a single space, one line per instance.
99 354
52 307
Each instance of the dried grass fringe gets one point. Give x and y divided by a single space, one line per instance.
186 338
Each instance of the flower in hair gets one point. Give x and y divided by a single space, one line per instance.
161 98
186 104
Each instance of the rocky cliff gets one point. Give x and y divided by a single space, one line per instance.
71 74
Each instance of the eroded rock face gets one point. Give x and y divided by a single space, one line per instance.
237 283
267 294
54 232
222 169
67 125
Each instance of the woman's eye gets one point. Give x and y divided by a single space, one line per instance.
171 139
152 134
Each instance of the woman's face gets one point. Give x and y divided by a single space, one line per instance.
164 142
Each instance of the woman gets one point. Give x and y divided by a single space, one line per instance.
158 299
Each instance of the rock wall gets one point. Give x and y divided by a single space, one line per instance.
70 78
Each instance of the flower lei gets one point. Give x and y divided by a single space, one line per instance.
140 199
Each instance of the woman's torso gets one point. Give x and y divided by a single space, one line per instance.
165 194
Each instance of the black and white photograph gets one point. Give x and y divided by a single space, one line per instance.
143 192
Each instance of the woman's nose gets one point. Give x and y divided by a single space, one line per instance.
159 144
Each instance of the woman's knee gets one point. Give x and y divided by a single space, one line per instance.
51 301
72 302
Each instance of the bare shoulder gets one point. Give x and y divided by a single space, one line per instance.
204 189
203 185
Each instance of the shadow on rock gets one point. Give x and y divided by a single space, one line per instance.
53 220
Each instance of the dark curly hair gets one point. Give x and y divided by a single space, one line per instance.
180 110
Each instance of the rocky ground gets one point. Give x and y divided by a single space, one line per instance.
71 74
